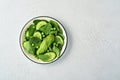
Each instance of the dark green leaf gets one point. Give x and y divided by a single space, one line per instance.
53 32
35 41
31 29
56 50
36 21
60 46
43 57
55 25
46 28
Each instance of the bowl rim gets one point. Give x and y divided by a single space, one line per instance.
24 28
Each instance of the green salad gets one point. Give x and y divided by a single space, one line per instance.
44 40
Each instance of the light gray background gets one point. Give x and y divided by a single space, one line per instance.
93 28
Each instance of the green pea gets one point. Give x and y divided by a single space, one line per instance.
54 28
33 44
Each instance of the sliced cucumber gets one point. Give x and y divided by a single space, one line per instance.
59 40
62 36
37 21
27 34
41 23
38 35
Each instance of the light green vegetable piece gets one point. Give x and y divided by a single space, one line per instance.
40 24
27 34
37 21
59 40
38 35
62 36
47 57
28 47
56 50
47 41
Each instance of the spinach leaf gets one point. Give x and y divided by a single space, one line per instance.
36 21
34 40
56 50
43 57
53 32
55 25
28 47
31 30
46 28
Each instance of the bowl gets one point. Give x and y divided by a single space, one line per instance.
41 53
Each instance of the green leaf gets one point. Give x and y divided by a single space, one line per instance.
29 32
55 25
60 46
53 32
46 28
56 50
36 21
47 57
31 29
28 47
61 35
35 41
50 49
43 57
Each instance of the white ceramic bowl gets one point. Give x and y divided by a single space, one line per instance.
31 57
